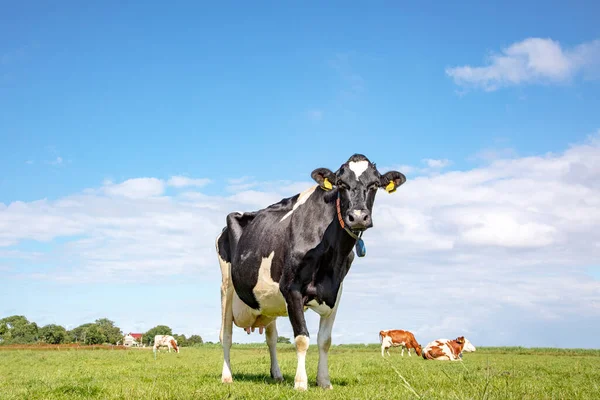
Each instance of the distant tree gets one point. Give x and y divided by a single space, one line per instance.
194 340
157 330
94 335
111 332
283 339
18 329
53 334
79 334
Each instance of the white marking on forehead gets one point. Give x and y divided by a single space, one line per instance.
358 167
301 200
358 213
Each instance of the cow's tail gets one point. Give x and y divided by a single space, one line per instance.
381 335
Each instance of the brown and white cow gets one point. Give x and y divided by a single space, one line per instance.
165 341
398 337
446 349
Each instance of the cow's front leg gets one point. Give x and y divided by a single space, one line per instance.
301 336
271 333
324 341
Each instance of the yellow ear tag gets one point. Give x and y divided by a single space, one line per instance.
391 187
327 185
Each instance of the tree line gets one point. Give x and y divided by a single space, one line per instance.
17 329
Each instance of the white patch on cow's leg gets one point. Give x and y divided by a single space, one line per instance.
408 350
226 334
271 333
301 200
402 353
382 350
358 167
324 342
301 380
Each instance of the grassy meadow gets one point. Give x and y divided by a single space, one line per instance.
357 372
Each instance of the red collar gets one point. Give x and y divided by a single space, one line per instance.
339 212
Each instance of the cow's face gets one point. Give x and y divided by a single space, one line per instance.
419 349
357 182
468 347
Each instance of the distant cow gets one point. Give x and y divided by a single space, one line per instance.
446 349
398 337
165 341
294 255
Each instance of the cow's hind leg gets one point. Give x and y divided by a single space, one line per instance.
226 334
271 333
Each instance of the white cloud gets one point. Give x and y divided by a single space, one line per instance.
533 60
182 181
492 154
432 163
432 166
483 252
137 188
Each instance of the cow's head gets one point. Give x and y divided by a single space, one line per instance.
357 182
468 347
419 349
175 345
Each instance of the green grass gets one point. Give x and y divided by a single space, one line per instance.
357 372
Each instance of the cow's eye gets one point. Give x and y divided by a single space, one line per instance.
373 186
343 185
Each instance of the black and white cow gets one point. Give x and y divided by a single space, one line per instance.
294 255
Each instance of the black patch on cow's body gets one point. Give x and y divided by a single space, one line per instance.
260 233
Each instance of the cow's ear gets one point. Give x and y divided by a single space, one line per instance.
391 180
324 177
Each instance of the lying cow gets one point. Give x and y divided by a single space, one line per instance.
294 255
397 337
445 349
165 341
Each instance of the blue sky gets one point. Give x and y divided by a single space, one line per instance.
127 132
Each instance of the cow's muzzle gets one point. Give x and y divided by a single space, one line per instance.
358 219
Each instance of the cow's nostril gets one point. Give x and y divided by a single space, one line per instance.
366 218
350 218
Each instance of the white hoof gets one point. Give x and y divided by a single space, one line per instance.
302 386
226 379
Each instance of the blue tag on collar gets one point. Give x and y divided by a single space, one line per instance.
361 250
